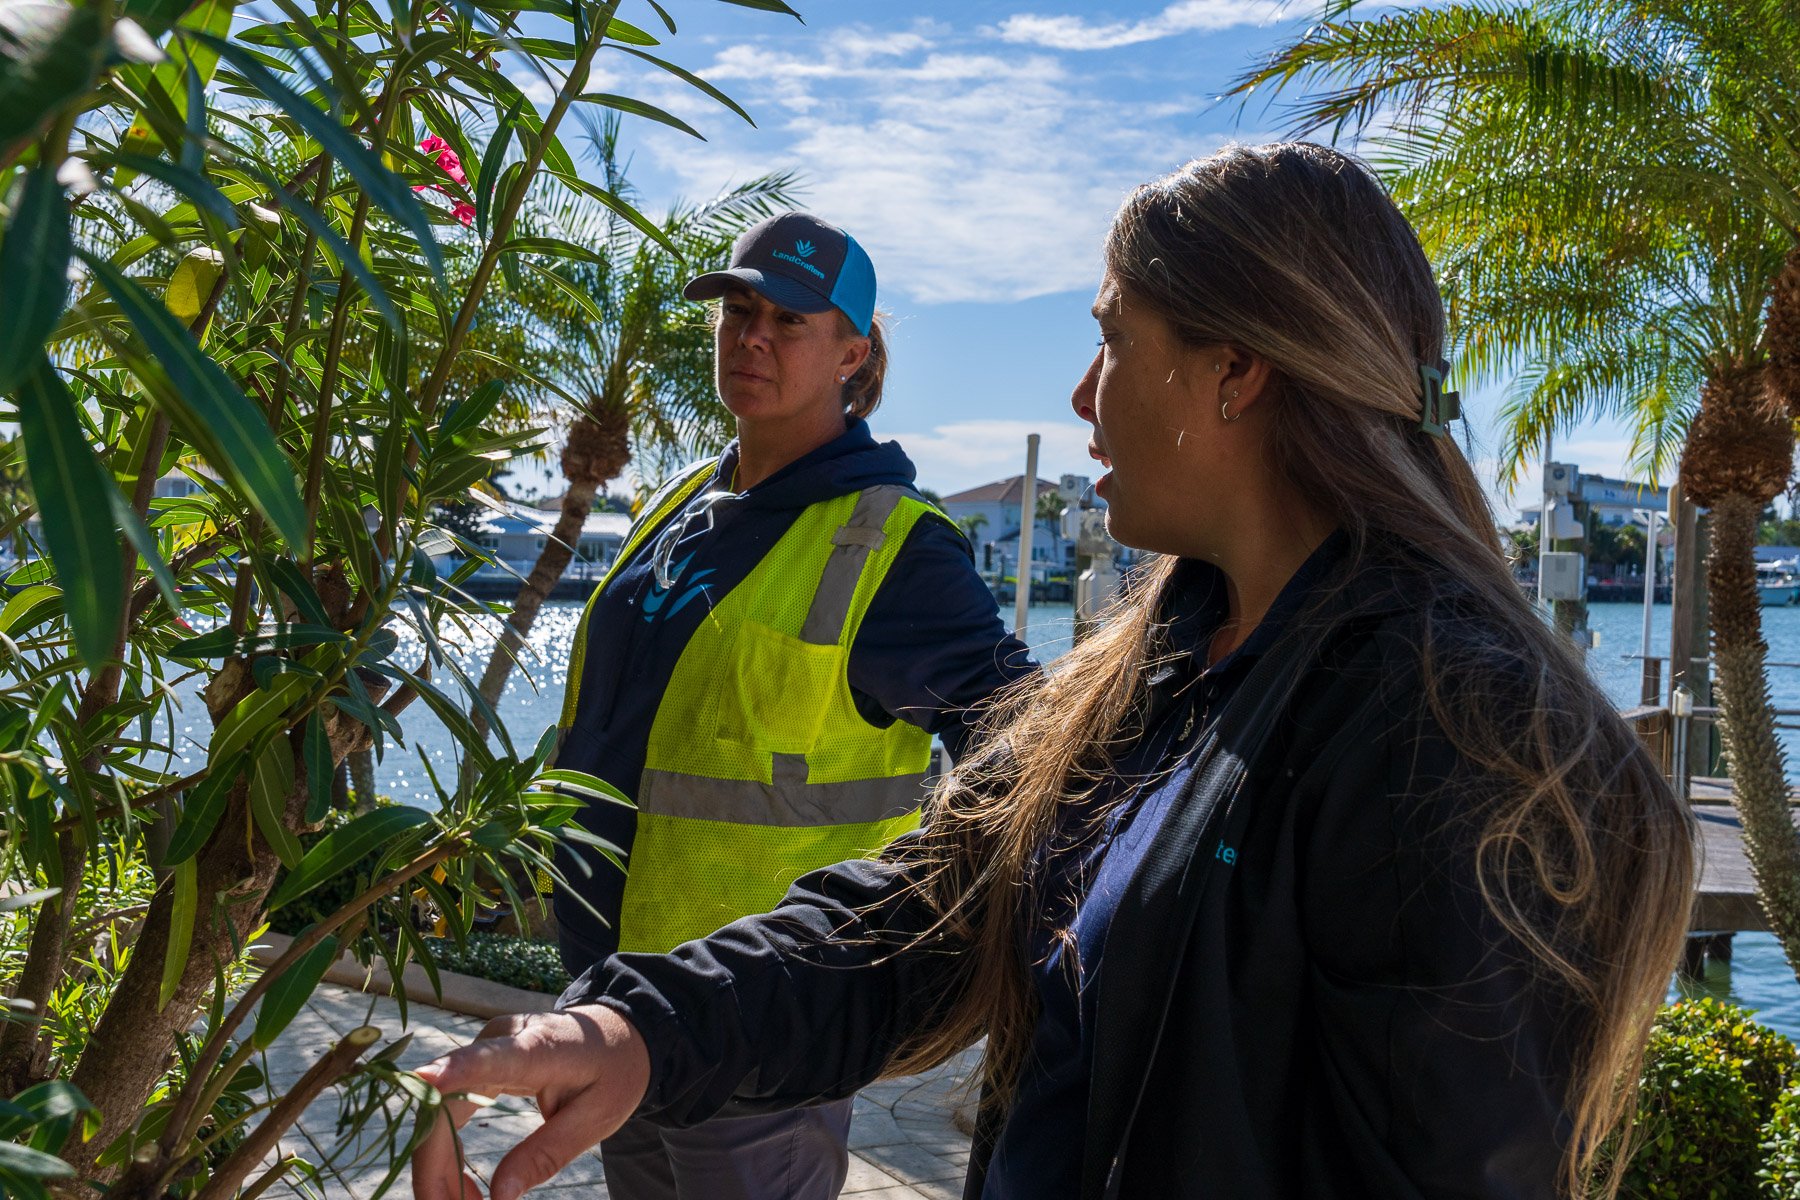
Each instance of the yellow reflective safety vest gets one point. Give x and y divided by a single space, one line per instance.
759 767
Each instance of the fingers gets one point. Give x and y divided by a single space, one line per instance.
580 1124
587 1067
437 1171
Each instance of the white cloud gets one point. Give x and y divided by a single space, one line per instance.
1184 16
969 177
964 454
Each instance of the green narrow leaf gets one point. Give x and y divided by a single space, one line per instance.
28 607
453 715
688 76
625 31
334 242
344 846
321 766
491 158
580 297
385 187
768 6
27 899
49 54
298 588
223 642
156 16
640 108
66 475
141 539
465 415
32 1163
644 224
213 412
181 930
34 274
288 994
180 79
555 248
269 791
580 783
254 715
201 809
190 183
662 12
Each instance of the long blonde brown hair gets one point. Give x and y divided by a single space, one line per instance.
1295 253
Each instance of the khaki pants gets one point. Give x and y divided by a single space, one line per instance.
795 1155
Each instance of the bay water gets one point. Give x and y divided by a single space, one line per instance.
1758 977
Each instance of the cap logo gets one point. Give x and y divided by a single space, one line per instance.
804 248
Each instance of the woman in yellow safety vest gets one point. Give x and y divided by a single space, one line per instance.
762 670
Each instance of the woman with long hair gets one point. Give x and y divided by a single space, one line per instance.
1323 870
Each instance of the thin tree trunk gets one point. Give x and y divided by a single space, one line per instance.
130 1045
597 451
47 959
362 780
1758 768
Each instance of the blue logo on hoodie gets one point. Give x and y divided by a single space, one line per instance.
654 603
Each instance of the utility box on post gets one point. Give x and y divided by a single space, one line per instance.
1564 575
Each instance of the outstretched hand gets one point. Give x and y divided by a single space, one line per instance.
586 1067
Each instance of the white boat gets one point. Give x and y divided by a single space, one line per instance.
1779 582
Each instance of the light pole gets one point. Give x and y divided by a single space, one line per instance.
1651 688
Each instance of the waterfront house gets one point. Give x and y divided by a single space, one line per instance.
989 514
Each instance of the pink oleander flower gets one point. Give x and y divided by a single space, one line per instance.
447 160
464 213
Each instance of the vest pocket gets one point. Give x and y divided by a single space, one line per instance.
780 690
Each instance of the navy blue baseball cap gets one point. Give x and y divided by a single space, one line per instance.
800 263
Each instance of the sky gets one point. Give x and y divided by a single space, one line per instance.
977 149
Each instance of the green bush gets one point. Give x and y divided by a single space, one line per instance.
1713 1080
515 961
1780 1173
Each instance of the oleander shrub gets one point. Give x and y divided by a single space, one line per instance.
267 254
1713 1080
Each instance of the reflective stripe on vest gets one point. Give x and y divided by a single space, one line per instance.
759 767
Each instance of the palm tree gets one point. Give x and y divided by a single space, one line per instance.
1609 193
628 354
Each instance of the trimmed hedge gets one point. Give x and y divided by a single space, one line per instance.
515 961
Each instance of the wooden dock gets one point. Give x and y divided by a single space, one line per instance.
1726 902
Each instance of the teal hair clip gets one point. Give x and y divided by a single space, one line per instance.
1439 407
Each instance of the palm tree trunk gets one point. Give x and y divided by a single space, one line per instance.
597 451
1782 334
1738 457
1747 719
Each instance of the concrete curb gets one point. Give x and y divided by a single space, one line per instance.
462 993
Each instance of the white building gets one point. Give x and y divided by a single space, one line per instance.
989 514
1611 500
517 536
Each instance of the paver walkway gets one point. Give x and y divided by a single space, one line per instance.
903 1142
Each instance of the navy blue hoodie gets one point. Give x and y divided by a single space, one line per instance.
930 648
